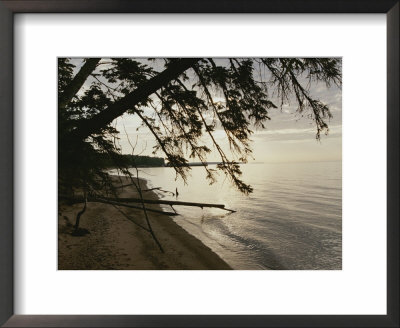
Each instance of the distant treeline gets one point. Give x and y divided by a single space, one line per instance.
135 160
147 161
206 163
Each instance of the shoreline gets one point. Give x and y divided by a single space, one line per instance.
114 242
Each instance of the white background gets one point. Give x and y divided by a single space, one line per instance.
360 288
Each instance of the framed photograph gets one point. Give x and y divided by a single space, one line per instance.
199 164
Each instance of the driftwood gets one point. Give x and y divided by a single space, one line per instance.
117 203
122 202
114 202
169 202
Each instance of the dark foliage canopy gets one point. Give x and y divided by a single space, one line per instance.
179 101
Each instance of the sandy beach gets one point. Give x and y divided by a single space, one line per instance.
116 243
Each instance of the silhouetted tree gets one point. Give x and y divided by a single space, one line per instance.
182 95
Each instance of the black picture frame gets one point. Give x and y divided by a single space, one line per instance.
10 7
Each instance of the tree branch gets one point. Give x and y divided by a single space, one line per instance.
93 125
77 82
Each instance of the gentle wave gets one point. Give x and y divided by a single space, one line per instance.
291 221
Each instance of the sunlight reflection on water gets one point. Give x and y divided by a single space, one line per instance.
293 220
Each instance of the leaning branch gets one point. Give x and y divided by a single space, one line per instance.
77 82
124 200
105 117
168 202
76 200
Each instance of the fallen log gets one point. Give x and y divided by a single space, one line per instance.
168 202
114 202
157 201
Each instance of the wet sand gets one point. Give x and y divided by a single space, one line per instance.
116 243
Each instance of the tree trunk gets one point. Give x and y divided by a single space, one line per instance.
77 82
93 125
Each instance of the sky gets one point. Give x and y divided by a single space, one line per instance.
287 137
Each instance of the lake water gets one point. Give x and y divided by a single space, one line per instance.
292 220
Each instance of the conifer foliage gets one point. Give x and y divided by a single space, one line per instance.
181 101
